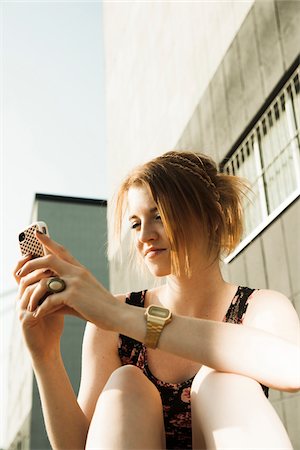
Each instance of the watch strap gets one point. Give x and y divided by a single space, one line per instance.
154 329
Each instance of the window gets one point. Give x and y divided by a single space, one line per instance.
269 158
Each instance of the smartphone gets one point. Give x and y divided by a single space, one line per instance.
29 244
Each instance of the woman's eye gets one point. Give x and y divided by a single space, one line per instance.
134 225
158 217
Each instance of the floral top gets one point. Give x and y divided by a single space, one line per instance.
176 396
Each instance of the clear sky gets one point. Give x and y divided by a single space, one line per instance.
51 128
52 110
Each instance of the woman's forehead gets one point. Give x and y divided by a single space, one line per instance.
140 197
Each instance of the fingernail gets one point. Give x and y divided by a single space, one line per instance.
29 308
19 272
35 313
39 232
27 255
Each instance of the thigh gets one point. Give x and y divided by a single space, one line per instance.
128 413
232 412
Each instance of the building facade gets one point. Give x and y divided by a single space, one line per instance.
222 78
80 225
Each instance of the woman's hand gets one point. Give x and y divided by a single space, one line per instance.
84 296
43 337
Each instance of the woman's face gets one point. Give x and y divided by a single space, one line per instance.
149 235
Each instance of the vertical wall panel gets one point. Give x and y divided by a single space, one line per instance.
237 268
201 132
271 61
195 135
250 67
289 19
276 261
207 119
195 128
255 265
234 90
221 116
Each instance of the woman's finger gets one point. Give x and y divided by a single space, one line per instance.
32 278
35 295
25 299
19 266
57 249
39 295
50 262
23 313
52 303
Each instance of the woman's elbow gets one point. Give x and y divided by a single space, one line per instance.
293 379
291 389
294 386
292 371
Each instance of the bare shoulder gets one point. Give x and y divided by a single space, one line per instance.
272 311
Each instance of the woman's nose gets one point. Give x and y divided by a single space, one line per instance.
147 233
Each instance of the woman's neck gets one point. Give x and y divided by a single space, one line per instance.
201 294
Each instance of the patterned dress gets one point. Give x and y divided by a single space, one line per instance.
176 396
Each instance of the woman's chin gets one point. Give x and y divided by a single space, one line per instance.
159 271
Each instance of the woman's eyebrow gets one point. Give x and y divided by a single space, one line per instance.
152 210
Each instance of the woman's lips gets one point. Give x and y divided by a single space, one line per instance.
154 252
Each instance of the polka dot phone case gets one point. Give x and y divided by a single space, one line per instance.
29 244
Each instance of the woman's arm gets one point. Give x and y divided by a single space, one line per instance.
263 352
65 422
271 355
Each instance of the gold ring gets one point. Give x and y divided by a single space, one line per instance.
55 285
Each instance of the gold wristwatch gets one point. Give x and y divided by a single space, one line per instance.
156 317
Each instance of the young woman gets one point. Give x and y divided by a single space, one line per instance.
184 365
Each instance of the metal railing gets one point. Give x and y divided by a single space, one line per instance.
269 159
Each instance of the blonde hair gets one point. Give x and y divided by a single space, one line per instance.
194 200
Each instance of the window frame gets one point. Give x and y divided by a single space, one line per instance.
287 87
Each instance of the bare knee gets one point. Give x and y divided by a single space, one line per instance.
125 376
213 390
210 383
130 379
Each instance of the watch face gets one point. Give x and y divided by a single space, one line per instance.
157 311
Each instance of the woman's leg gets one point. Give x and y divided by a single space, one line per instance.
231 412
128 414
